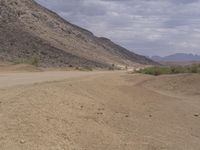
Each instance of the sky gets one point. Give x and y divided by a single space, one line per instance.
147 27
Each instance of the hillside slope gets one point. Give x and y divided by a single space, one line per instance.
28 30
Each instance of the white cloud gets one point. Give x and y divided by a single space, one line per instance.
147 27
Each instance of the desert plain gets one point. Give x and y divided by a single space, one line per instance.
98 110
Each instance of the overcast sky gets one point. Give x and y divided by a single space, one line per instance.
148 27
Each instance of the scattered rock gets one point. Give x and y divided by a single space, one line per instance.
22 141
99 113
101 109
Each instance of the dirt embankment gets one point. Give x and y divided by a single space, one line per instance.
8 67
184 86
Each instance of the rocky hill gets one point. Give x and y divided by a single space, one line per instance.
30 31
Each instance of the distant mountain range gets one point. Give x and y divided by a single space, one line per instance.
178 57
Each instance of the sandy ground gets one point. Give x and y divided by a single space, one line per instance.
99 111
13 79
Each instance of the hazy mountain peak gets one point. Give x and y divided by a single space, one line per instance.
178 57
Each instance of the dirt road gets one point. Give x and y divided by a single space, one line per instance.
13 79
100 111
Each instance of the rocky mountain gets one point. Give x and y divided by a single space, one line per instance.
30 31
178 57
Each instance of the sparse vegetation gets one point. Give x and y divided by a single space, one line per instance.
112 67
70 66
86 68
32 61
161 70
2 50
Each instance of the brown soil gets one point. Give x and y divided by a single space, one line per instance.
100 111
6 67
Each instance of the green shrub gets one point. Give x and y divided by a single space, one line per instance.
178 69
70 66
193 69
160 70
112 67
86 68
156 70
32 61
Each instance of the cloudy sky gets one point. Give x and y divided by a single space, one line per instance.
148 27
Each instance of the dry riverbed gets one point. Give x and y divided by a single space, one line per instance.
99 111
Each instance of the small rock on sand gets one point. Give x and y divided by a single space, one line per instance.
22 141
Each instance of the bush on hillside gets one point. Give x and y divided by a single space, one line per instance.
32 61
